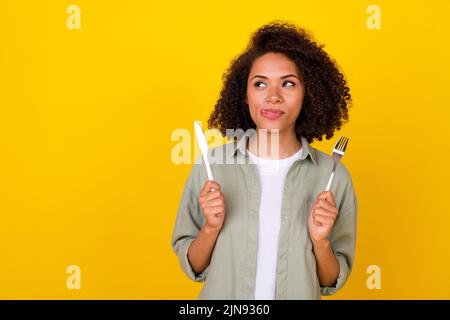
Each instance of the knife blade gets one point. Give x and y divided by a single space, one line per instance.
201 139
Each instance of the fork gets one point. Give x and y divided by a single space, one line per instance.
338 152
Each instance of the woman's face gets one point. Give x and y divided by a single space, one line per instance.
274 92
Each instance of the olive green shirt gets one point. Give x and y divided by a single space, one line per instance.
231 273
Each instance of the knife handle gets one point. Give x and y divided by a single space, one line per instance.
208 170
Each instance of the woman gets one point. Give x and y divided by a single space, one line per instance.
265 229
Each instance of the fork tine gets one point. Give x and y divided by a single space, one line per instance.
336 146
341 143
344 146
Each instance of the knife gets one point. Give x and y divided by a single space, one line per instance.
201 139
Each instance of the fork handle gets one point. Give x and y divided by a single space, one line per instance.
330 181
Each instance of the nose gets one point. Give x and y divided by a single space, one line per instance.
274 96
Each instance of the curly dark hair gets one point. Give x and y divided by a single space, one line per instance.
327 97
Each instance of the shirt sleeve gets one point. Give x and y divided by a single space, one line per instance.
343 235
188 223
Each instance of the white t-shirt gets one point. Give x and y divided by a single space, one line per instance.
272 174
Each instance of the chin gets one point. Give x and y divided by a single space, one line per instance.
271 124
270 128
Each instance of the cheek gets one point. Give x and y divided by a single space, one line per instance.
254 97
298 96
254 101
295 104
253 112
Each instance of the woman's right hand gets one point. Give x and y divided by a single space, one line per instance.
213 205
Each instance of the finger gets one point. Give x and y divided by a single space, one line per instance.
212 195
323 195
322 204
220 214
317 223
328 196
324 220
214 210
213 185
209 184
204 190
215 203
325 212
327 206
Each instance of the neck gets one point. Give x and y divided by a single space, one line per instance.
274 145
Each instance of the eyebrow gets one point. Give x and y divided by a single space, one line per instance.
282 77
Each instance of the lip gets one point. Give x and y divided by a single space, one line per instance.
271 114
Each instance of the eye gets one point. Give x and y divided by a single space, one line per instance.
292 83
257 84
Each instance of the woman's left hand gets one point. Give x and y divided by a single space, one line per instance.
322 217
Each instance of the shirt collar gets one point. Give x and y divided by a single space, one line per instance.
241 146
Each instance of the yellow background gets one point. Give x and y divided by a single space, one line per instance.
86 118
